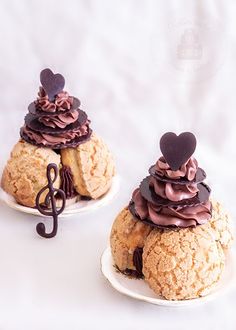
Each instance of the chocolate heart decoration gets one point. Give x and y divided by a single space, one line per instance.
177 149
52 83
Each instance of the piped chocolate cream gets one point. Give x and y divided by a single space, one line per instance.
55 119
174 195
67 184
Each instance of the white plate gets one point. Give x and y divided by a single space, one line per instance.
138 288
78 207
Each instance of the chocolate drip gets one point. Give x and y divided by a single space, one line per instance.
138 260
67 184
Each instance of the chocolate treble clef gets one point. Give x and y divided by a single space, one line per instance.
50 199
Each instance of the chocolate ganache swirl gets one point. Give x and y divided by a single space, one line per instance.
62 101
67 184
169 198
56 122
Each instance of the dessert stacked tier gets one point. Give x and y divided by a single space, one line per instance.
170 198
173 195
54 119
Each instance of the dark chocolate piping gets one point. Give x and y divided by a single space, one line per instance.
50 198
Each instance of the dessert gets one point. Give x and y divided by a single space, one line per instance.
91 165
57 131
25 172
172 234
182 264
127 238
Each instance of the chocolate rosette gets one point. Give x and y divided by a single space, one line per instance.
174 195
55 119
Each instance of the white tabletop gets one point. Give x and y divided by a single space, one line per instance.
141 68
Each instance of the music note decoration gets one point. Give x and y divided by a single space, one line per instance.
50 202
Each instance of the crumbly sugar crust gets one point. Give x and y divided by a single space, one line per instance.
177 264
127 233
92 166
25 172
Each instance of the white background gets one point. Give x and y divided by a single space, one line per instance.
140 68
